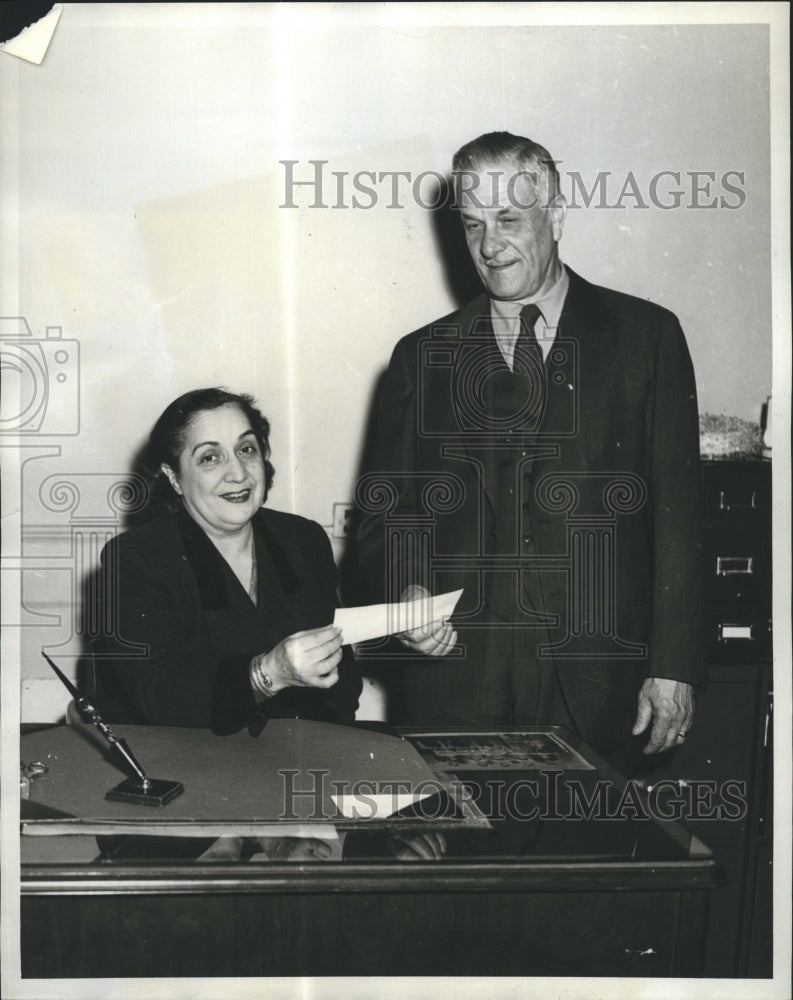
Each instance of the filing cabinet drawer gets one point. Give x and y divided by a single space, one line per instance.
737 632
736 565
736 494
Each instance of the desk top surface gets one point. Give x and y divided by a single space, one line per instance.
525 807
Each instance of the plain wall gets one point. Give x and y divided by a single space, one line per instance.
149 187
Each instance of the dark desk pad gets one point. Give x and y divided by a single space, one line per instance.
286 775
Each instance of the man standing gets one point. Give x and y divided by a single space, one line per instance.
539 448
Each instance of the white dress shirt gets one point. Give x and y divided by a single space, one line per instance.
506 318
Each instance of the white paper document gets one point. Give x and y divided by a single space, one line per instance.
376 805
372 621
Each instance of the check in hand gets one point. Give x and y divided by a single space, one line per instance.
305 659
436 638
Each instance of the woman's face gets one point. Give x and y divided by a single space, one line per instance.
221 470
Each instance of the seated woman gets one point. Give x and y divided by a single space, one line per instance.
218 613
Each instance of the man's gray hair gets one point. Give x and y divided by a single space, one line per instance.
503 147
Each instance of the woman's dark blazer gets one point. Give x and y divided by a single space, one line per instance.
179 630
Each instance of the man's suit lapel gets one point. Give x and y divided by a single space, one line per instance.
465 348
578 376
579 385
469 333
586 321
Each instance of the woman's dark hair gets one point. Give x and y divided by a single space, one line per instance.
167 438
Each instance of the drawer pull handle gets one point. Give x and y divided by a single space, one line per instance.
734 632
727 503
734 566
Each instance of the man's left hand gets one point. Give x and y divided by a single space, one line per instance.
670 706
437 638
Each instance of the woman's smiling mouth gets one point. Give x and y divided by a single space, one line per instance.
239 496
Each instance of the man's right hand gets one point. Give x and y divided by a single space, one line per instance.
436 638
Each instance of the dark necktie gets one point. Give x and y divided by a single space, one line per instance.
528 353
528 365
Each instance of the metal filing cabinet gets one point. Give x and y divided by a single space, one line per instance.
730 740
737 555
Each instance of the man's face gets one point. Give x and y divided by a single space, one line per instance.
511 231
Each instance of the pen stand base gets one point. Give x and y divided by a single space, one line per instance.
145 792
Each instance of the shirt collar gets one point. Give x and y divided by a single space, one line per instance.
550 305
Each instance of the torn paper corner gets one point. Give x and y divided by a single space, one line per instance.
31 43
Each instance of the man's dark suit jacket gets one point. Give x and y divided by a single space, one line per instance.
607 533
179 630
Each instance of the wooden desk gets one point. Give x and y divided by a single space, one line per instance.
527 897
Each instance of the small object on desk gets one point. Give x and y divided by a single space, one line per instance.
139 790
27 774
145 792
